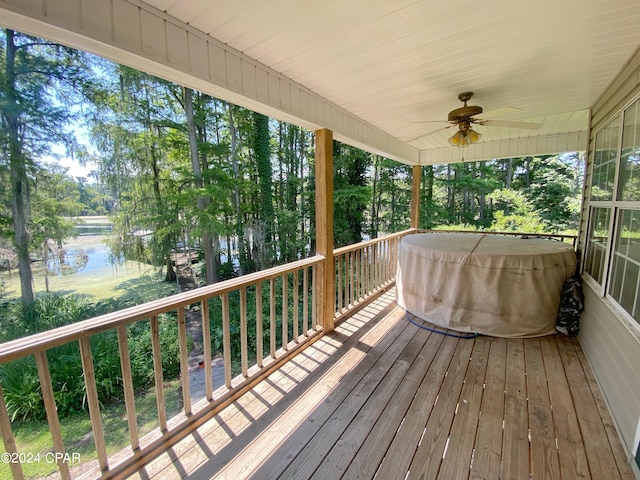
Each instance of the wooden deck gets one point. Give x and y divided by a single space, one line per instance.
383 398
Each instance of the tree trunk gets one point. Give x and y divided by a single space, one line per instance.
429 197
508 176
18 174
202 200
375 206
481 197
233 131
262 153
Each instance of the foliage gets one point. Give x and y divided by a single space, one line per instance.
514 213
554 193
20 380
40 84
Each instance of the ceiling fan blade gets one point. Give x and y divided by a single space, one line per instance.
500 112
509 124
429 133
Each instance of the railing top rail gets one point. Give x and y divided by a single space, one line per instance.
42 341
373 241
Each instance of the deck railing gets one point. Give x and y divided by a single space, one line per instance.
289 321
363 270
285 314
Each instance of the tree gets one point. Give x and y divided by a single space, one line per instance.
38 81
514 213
262 153
55 202
352 193
554 192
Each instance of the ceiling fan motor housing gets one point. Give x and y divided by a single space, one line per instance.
464 113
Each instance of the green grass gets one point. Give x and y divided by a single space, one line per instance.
33 438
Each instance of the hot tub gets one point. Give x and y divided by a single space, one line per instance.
495 285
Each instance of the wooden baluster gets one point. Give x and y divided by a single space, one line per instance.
272 318
206 343
285 311
358 275
10 441
52 414
314 300
339 282
184 361
385 260
361 276
352 292
226 339
158 375
127 384
392 263
259 344
243 332
93 403
305 301
374 266
296 318
367 252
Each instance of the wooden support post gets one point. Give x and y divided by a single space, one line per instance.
415 196
324 228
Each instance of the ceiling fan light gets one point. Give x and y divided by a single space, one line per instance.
458 139
463 138
473 136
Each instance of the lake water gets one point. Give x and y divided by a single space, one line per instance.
85 267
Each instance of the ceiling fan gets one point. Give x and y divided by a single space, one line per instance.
464 116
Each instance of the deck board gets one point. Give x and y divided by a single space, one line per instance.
571 453
396 463
515 446
544 454
373 449
598 450
487 457
457 461
383 398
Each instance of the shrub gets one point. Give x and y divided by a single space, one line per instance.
20 380
22 390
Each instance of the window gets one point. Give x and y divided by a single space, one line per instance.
612 250
604 162
629 182
625 265
597 242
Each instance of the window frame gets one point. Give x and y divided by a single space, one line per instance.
616 208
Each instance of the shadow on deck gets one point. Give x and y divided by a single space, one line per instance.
381 397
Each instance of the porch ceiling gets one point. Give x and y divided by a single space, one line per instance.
397 63
375 68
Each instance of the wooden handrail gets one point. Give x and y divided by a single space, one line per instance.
42 341
373 241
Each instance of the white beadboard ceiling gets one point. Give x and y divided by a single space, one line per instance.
371 70
395 63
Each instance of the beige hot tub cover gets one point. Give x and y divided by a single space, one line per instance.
493 285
